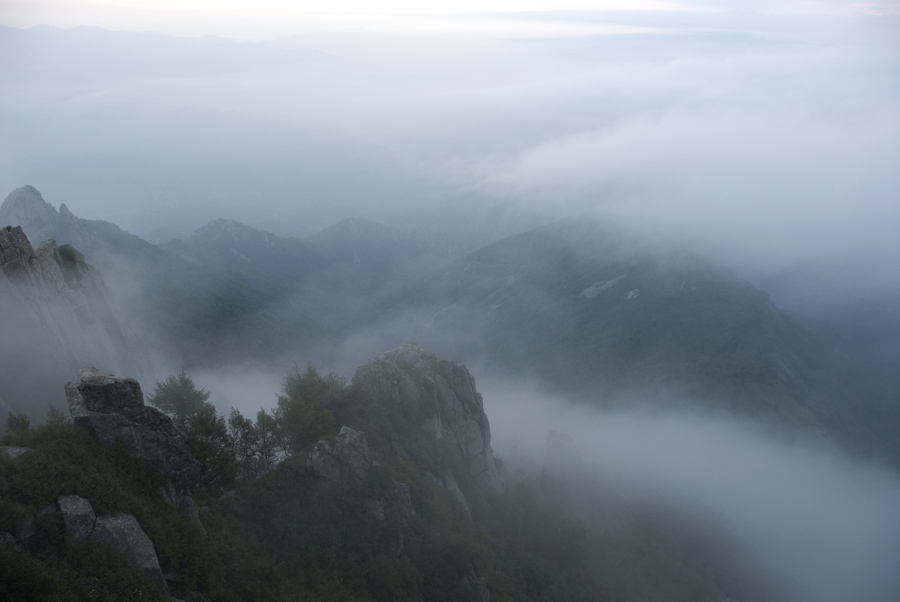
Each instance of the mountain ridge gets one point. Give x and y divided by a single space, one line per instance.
594 315
183 310
58 316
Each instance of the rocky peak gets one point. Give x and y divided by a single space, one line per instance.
57 316
112 409
106 394
443 395
15 249
26 206
39 219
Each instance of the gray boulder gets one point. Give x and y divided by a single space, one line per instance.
443 395
112 409
345 461
124 533
78 516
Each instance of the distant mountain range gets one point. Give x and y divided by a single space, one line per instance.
579 307
329 273
189 313
587 311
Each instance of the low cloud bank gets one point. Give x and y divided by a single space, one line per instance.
828 523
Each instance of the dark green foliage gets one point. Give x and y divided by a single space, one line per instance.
17 423
303 413
27 579
64 460
56 416
257 445
332 546
178 397
213 446
105 575
283 535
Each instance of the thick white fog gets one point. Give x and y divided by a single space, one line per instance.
828 523
765 134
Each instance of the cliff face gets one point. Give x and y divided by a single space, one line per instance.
57 316
442 394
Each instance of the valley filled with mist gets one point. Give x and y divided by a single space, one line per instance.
610 313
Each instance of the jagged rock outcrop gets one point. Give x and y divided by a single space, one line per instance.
112 409
343 462
57 315
443 395
121 532
163 295
346 462
26 207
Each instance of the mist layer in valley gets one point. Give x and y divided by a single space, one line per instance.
826 525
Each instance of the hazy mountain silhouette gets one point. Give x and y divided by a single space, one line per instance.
184 310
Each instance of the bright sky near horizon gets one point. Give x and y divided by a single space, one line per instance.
264 19
766 130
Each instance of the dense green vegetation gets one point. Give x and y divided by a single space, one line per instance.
274 532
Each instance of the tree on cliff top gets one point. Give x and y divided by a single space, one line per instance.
178 397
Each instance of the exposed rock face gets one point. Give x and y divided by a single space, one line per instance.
345 461
121 532
124 533
79 517
443 394
57 315
40 220
113 409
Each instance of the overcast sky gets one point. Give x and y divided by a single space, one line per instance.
766 132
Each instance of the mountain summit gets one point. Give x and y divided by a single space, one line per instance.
57 317
184 310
